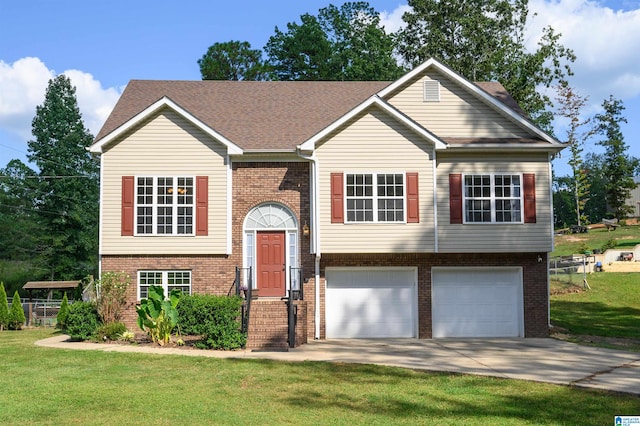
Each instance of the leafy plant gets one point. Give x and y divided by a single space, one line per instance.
127 336
215 318
158 316
4 307
63 313
82 322
16 313
111 331
609 244
111 297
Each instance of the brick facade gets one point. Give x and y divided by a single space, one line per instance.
288 183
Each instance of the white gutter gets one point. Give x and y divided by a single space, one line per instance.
552 243
315 235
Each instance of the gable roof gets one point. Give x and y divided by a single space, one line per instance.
283 114
253 116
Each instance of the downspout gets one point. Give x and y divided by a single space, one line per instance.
315 237
101 215
552 243
435 200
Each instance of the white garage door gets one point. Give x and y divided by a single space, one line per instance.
477 302
371 303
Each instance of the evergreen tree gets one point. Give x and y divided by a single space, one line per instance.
63 313
4 308
345 43
16 313
67 189
619 167
232 60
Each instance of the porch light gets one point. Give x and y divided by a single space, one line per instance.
305 230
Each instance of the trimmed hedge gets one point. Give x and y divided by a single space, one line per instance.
82 321
215 318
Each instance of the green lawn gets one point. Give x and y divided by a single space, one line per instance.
57 386
624 237
612 307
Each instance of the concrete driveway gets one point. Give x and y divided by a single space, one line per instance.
542 360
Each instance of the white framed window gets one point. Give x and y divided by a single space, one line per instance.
165 205
168 280
492 198
375 197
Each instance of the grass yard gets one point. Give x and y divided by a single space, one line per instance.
623 237
54 386
609 313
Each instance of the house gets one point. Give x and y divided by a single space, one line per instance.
419 208
634 198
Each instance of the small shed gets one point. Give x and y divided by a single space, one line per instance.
45 311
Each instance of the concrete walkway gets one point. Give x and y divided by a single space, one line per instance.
542 360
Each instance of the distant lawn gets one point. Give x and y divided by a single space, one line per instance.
624 237
54 386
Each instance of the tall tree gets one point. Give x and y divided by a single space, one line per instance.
619 167
484 41
232 60
570 106
596 206
19 221
345 43
67 189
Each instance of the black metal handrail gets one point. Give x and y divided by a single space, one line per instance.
296 287
243 284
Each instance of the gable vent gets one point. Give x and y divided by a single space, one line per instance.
431 91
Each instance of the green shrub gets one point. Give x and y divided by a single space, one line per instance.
82 322
111 296
609 244
16 313
215 318
111 331
4 308
63 313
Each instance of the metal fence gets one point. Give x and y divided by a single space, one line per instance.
41 312
571 269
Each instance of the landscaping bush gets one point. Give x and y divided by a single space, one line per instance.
111 331
82 322
63 313
215 318
111 297
16 313
4 308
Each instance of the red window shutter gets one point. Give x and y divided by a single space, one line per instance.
202 205
455 198
128 205
337 198
413 204
529 197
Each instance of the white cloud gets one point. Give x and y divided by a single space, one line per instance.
604 40
392 21
22 88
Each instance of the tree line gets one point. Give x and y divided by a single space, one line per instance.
49 209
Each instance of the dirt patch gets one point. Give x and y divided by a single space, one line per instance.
141 339
601 341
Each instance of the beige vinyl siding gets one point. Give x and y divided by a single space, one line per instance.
165 145
457 114
376 143
482 237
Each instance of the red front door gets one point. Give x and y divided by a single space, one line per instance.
271 264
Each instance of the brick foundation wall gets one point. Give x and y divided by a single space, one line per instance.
535 286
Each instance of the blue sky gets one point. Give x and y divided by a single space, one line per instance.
103 45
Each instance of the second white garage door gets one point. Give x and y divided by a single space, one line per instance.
477 302
371 303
